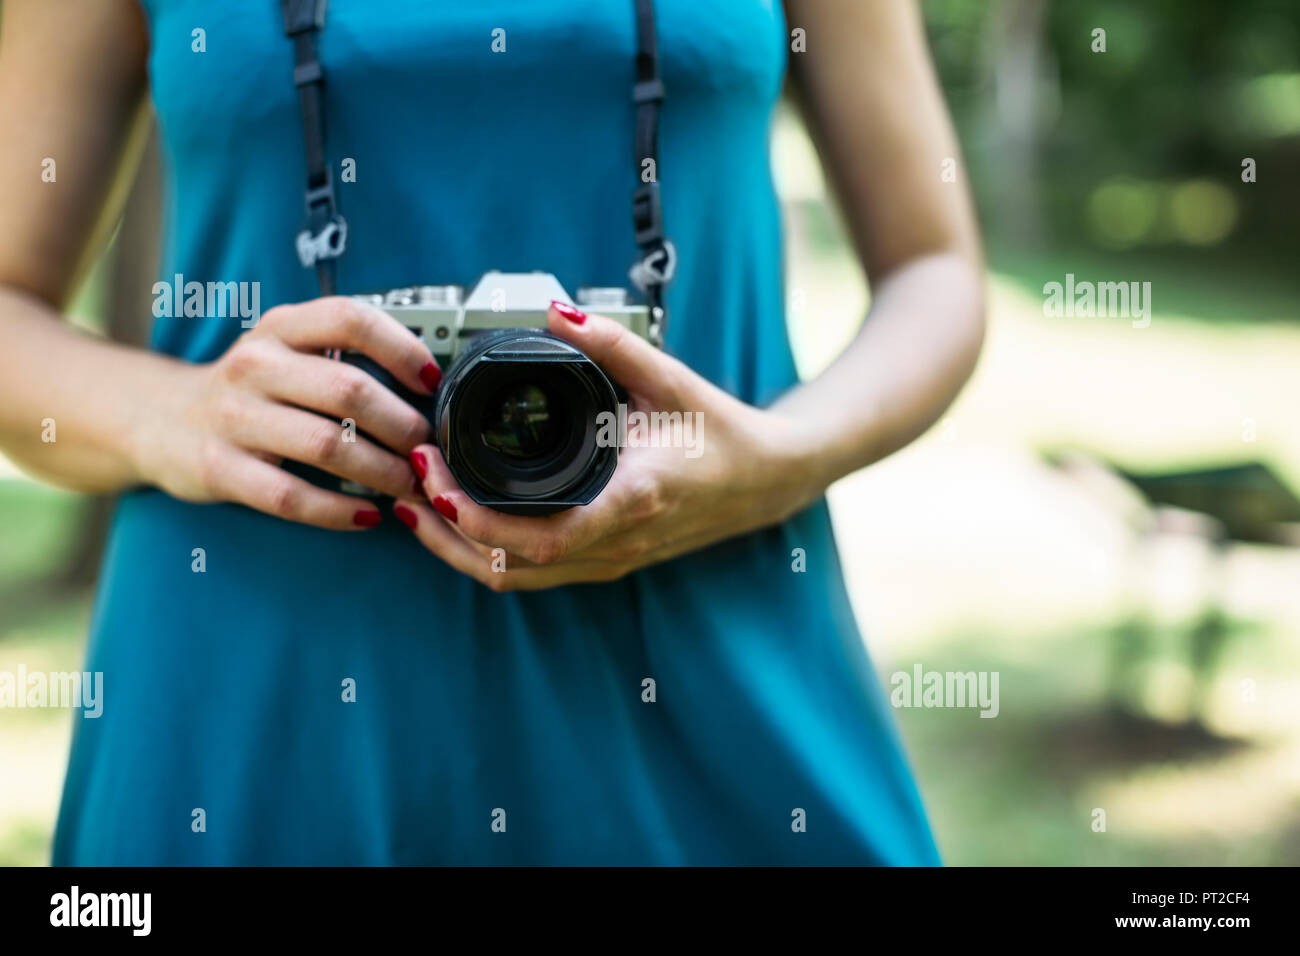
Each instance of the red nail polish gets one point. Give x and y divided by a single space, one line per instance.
444 507
576 316
366 518
420 464
406 516
416 487
430 375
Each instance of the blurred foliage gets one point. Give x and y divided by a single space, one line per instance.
39 524
1137 147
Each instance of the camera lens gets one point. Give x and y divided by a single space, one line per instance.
519 420
522 421
522 430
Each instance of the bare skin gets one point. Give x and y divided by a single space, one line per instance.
72 84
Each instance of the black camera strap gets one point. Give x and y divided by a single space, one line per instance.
658 257
325 237
326 234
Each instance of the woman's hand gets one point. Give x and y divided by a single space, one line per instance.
273 395
740 468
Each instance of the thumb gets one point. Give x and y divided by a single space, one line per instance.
630 360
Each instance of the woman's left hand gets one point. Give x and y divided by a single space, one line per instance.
742 468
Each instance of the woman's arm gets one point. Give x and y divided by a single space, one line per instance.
72 96
73 82
871 101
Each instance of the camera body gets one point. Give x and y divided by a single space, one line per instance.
519 412
448 321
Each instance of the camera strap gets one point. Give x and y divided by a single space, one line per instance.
325 236
658 256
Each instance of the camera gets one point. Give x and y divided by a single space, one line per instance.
518 412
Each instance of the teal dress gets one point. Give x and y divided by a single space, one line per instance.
486 728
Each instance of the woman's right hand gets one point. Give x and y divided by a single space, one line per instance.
98 416
272 396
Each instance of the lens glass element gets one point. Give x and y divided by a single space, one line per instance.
522 422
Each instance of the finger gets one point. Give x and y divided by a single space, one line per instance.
313 440
539 540
420 463
248 480
338 322
633 362
440 537
342 391
488 554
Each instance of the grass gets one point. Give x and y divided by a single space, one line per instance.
39 527
42 628
1025 788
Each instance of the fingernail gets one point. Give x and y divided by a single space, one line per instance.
444 507
420 464
576 316
367 518
406 516
430 375
416 487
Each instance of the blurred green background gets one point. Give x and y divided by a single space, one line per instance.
1147 654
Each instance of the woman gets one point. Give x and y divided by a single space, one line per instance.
292 676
